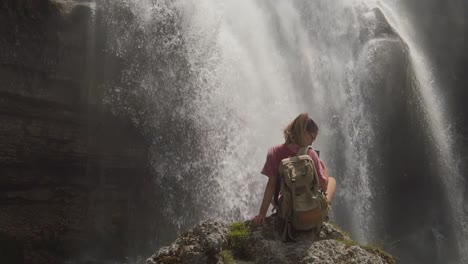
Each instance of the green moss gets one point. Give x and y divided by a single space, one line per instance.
348 242
335 226
371 249
238 237
376 247
377 251
228 257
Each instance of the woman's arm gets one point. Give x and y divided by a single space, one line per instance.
324 182
321 170
267 196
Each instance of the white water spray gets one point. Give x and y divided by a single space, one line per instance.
255 65
265 62
439 121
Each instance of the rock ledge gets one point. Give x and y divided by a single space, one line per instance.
205 244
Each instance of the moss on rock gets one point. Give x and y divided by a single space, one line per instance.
238 237
377 251
228 257
371 249
242 242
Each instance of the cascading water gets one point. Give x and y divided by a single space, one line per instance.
439 121
266 62
212 83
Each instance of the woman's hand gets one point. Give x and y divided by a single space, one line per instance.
258 219
267 196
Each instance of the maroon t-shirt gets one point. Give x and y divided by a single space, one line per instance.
280 152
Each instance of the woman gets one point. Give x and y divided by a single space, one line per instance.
301 132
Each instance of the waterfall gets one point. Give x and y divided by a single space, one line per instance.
212 83
266 62
440 128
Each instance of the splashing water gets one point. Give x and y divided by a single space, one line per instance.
267 62
252 66
216 81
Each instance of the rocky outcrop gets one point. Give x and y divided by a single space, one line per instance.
208 242
202 244
71 173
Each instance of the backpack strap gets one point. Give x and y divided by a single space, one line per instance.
287 232
277 189
305 151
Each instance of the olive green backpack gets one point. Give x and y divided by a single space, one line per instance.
302 204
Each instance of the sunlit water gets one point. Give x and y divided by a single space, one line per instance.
249 67
267 61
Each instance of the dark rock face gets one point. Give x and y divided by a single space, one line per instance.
405 167
442 28
71 174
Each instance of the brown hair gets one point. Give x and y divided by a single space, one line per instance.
296 130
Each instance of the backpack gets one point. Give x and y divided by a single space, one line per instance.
302 204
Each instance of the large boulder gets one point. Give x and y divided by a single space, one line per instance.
208 242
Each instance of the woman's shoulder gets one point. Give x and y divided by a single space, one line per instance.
274 150
278 147
312 153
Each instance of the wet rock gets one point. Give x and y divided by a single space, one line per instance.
71 174
202 244
265 246
374 25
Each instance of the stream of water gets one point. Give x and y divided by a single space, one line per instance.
227 76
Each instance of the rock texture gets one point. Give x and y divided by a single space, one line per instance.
205 242
71 174
202 244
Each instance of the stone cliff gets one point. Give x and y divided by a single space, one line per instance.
71 174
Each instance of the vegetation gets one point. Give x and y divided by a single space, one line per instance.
377 251
238 237
228 257
348 242
339 229
371 249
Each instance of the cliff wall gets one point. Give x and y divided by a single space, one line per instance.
71 174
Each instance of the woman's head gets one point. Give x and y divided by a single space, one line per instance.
302 131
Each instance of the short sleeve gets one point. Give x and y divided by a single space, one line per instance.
269 167
320 170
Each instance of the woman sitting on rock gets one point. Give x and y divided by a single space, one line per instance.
301 132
